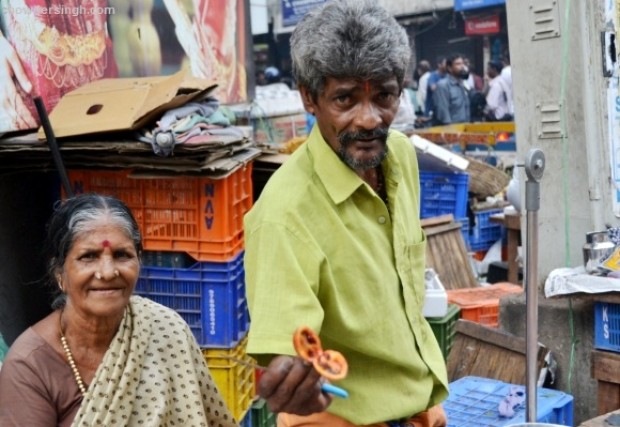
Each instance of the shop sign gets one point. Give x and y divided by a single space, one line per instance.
486 25
294 10
460 5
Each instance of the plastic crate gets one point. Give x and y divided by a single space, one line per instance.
481 304
197 215
248 420
443 193
261 415
484 233
473 401
234 379
210 296
166 259
443 328
607 326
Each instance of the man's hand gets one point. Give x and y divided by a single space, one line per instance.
12 106
293 386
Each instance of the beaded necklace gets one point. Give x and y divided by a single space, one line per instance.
72 364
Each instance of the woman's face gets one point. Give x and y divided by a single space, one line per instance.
101 270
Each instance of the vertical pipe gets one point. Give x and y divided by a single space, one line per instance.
531 327
534 168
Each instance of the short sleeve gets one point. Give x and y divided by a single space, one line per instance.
24 399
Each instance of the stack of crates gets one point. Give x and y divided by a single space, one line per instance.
483 233
192 229
481 304
605 359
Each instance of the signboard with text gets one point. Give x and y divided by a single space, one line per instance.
482 25
52 47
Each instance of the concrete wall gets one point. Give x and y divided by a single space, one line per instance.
26 203
569 121
554 318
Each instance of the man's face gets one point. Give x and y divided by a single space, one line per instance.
353 116
457 68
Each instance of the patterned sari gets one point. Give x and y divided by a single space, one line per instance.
153 374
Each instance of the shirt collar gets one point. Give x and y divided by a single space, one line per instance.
339 180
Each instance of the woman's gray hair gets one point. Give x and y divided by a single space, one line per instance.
348 38
76 216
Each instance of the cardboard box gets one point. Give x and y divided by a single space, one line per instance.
123 104
275 131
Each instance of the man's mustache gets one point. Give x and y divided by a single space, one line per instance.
346 137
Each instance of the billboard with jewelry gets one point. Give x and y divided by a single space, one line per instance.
50 47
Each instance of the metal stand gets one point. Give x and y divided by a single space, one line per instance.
534 168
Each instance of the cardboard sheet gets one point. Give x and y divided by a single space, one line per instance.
123 104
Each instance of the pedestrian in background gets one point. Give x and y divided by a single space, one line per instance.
451 98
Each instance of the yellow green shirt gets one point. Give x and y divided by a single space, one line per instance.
323 250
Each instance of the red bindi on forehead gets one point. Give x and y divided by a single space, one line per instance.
105 243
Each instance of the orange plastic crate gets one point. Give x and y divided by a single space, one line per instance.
200 216
481 305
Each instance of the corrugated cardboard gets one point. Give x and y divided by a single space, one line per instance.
123 104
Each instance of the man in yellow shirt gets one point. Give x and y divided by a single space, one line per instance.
335 241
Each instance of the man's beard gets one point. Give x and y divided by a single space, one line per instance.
347 138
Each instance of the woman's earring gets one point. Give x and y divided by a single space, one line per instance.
60 286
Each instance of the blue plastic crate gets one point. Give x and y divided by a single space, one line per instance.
209 296
607 326
484 233
247 420
443 193
474 401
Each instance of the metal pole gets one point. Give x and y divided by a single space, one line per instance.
534 168
53 144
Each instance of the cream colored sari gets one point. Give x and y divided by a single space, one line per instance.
153 374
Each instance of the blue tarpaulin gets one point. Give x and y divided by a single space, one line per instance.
460 5
294 10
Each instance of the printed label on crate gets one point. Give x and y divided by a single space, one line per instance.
212 323
209 210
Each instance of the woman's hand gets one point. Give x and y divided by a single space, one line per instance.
293 386
12 106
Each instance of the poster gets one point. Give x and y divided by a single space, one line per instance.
50 47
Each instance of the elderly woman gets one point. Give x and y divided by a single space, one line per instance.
105 357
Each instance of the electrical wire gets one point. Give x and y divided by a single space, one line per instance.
565 186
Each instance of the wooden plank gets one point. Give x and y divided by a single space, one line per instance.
442 228
447 255
605 366
608 397
600 420
436 220
489 352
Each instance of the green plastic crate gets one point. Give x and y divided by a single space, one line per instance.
443 328
261 415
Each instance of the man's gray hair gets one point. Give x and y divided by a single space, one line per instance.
348 38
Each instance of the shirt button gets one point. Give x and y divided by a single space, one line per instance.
381 220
